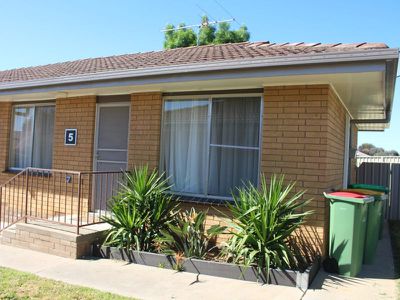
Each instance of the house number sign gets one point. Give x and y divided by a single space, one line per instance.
71 136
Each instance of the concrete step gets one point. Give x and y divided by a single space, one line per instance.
9 231
53 239
8 235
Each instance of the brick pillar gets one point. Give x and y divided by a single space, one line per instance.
79 113
303 138
5 124
145 129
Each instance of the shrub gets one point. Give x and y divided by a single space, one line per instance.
140 211
264 219
187 236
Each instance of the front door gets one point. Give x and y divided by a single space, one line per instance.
111 149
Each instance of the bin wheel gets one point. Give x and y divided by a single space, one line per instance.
330 265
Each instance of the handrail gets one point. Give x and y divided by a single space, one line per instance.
101 172
53 170
12 178
67 197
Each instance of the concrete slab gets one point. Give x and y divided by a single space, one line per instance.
376 281
138 281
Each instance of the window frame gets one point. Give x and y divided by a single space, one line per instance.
24 105
209 98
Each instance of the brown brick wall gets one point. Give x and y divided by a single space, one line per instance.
303 138
79 113
336 141
145 129
5 124
298 141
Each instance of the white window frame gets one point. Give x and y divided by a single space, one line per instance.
28 105
210 98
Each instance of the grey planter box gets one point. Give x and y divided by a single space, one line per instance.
151 259
298 279
136 257
292 278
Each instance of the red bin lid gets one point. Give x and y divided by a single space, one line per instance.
348 195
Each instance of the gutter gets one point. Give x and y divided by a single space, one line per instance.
390 84
291 60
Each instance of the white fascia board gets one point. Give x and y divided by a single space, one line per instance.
290 60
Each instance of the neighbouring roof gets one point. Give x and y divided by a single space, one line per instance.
180 56
361 154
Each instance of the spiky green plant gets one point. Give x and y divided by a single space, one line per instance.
140 211
264 219
188 235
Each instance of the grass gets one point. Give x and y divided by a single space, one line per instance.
20 285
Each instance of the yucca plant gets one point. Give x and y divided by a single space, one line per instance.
264 219
140 211
188 235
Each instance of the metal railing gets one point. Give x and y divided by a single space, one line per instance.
63 197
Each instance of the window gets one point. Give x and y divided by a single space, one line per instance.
31 143
210 146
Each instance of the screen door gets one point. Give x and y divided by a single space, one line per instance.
111 153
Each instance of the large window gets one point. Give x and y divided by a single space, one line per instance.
210 146
31 143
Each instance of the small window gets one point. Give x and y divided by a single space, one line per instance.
31 140
211 146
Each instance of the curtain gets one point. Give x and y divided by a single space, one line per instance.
21 137
184 155
32 137
43 137
234 153
231 154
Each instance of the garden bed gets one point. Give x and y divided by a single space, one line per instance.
292 278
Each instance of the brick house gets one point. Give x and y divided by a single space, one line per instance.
209 116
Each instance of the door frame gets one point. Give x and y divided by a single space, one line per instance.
96 138
96 129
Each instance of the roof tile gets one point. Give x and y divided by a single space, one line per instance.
180 56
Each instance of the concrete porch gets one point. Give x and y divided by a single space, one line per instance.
55 239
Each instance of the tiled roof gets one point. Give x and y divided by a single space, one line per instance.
180 56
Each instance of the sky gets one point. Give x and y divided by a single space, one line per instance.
36 32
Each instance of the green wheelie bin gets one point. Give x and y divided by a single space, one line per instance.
376 188
375 211
348 222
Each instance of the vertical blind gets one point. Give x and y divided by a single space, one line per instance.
31 142
211 146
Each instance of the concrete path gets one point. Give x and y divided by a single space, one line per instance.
375 282
138 281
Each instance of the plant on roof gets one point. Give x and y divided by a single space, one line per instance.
140 211
264 220
188 235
